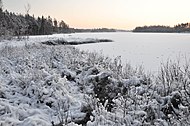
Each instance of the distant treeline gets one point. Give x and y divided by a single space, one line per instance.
17 24
12 24
94 30
183 27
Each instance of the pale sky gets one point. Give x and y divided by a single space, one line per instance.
121 14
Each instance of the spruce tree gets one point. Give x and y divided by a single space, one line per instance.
1 6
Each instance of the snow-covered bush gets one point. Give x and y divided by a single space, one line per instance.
61 85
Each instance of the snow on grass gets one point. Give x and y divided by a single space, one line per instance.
44 85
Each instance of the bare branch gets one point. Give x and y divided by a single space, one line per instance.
27 8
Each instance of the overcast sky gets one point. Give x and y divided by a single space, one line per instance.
123 14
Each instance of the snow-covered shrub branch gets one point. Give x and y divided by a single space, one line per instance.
51 85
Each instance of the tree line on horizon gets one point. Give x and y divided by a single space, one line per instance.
179 28
12 24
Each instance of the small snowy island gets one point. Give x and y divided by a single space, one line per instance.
75 42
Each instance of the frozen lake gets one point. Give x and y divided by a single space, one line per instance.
147 49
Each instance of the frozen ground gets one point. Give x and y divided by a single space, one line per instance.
44 85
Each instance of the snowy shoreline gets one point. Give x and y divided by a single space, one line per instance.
47 85
55 39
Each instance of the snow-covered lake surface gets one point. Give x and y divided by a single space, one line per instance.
147 49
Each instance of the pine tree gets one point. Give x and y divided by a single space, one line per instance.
1 18
55 26
42 26
1 6
63 26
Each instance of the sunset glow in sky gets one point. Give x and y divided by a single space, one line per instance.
122 14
